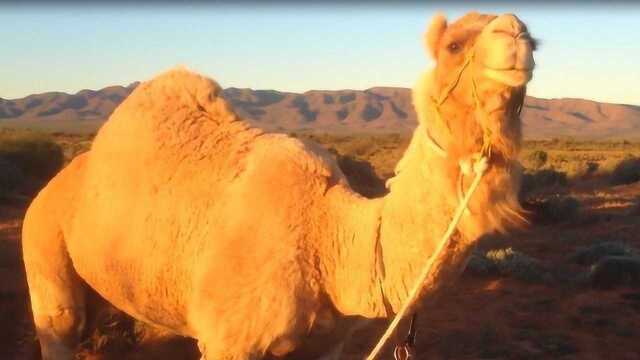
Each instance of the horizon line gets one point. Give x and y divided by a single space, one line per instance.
136 83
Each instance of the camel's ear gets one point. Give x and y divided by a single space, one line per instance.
434 33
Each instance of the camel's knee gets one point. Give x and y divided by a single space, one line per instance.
58 312
60 332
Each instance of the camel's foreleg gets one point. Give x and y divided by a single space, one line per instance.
57 293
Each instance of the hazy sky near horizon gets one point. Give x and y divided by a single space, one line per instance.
587 51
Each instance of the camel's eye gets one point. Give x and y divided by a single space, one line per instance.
454 47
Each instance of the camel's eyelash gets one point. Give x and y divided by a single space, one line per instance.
535 43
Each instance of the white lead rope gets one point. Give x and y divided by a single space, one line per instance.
480 167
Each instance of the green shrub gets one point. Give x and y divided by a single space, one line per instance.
537 159
626 172
516 264
11 177
581 169
532 181
36 156
479 265
507 262
591 254
612 271
558 208
361 176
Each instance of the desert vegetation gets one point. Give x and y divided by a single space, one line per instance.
28 159
547 163
368 160
580 259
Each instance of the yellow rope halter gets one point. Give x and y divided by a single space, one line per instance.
486 137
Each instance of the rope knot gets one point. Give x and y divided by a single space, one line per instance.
481 165
476 162
465 166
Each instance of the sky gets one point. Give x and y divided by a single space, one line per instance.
587 51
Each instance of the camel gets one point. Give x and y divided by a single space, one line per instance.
186 217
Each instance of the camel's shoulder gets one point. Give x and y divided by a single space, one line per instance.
67 179
55 199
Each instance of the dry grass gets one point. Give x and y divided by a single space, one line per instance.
578 160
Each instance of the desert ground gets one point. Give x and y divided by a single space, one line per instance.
566 287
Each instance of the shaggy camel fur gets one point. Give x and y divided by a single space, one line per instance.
185 217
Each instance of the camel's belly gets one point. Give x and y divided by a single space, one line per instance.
144 257
142 291
136 262
141 243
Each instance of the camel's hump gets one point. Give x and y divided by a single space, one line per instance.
172 91
175 119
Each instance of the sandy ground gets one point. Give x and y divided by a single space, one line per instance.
482 317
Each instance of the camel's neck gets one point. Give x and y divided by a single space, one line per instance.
415 215
381 244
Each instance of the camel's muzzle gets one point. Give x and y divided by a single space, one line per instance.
505 51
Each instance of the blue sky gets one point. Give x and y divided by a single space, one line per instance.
588 52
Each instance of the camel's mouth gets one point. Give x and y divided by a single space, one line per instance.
510 77
512 63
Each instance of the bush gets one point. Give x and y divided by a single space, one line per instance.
612 271
516 264
507 262
540 179
626 172
591 254
537 159
479 265
37 156
581 169
11 177
558 209
361 176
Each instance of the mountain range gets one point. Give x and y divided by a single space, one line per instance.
378 109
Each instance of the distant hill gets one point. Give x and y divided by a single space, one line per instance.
378 109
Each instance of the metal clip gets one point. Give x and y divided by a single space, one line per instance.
406 350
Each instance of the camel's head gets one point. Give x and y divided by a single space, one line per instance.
483 63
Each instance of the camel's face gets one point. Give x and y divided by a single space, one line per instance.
489 58
500 46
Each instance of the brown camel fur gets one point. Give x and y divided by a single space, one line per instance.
185 217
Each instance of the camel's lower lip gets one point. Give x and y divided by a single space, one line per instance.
512 77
